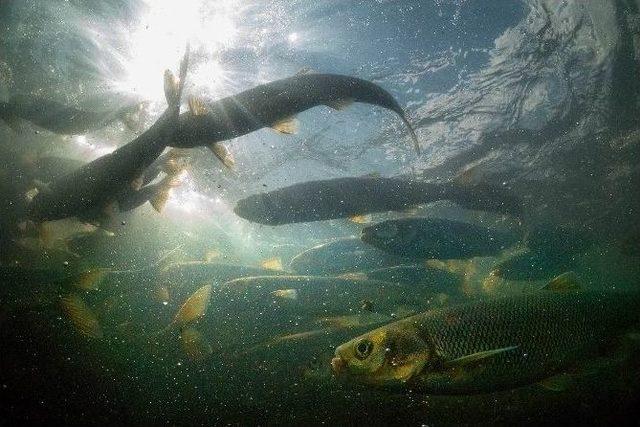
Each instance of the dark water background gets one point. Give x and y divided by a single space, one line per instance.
539 97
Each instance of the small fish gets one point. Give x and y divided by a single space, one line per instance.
81 316
90 279
194 307
194 344
272 264
285 293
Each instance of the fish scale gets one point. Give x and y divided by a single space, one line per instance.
550 332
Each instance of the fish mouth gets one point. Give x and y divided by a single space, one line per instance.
338 365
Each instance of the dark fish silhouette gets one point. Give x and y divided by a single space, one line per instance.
96 185
275 104
60 118
433 238
346 197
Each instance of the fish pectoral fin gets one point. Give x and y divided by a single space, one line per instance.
340 104
223 154
197 106
478 357
563 283
557 383
409 366
287 126
159 201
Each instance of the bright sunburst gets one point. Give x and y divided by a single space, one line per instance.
160 37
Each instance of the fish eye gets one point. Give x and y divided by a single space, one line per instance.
363 349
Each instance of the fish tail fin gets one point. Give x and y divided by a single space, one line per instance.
173 86
412 132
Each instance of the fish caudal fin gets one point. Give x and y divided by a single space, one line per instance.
412 133
173 86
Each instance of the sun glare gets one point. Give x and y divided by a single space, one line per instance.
159 39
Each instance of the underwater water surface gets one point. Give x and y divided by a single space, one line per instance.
329 212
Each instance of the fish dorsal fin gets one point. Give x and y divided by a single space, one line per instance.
287 126
563 283
474 358
223 154
197 106
339 104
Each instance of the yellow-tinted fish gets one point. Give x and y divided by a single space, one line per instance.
81 316
194 307
492 344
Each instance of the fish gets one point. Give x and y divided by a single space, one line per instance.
194 307
81 316
340 256
357 196
62 119
91 189
434 238
490 345
275 104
